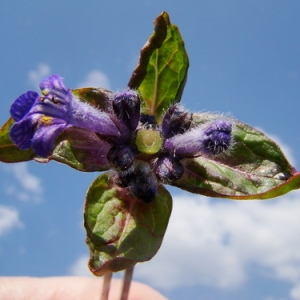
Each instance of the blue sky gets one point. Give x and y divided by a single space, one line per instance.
244 60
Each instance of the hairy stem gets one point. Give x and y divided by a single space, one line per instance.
106 286
126 283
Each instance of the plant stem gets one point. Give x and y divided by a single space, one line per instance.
106 286
126 283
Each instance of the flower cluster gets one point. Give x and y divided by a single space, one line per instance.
182 140
142 153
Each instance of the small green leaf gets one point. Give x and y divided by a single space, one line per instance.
9 152
162 69
121 230
254 167
81 149
97 97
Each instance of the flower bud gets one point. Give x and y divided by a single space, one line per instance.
126 106
214 139
175 121
140 181
217 137
148 121
168 169
121 157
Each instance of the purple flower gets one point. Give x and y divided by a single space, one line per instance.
148 121
121 157
175 121
217 137
214 139
40 119
126 106
140 181
168 169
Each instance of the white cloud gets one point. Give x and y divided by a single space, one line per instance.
95 79
80 267
295 292
212 243
27 187
35 76
9 218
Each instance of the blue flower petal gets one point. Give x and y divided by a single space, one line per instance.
22 105
22 132
45 136
53 82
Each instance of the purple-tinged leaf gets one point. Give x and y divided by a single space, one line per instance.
122 231
161 72
82 150
254 167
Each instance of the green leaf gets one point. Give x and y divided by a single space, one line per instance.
9 152
254 167
162 69
81 149
121 230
